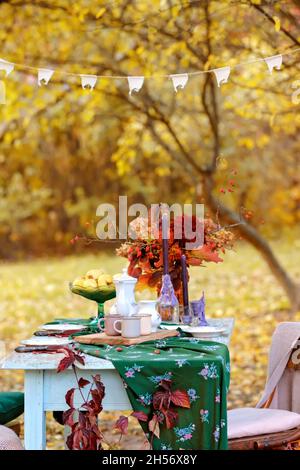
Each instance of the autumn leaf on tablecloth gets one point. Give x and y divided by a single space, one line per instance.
171 417
180 398
153 426
140 415
122 424
165 384
161 399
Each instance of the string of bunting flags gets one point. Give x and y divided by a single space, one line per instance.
135 83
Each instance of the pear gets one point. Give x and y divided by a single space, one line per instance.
78 282
94 273
104 280
91 284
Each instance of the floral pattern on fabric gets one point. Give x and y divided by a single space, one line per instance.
181 362
145 399
161 343
216 433
200 368
192 394
158 378
204 416
164 446
209 372
185 434
131 371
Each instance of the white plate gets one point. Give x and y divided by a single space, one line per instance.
46 341
204 331
62 327
170 327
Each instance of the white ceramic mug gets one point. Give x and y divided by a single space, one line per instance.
146 323
130 326
106 324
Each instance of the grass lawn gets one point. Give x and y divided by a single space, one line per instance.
34 292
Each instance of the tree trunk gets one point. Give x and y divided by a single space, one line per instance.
249 233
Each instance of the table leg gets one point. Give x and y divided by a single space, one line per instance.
34 416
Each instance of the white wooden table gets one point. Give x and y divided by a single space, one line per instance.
45 389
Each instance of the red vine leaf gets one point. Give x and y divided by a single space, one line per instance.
161 399
79 358
166 384
180 398
96 403
69 441
70 397
66 361
140 415
85 434
77 438
82 382
153 426
100 386
122 424
171 417
82 419
68 417
97 432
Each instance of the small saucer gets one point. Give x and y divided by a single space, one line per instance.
204 331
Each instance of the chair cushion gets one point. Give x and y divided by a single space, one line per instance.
9 440
11 406
244 422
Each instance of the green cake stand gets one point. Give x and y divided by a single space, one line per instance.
99 295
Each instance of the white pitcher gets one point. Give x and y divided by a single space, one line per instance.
149 306
125 300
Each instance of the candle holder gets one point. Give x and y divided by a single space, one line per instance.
198 310
185 314
167 304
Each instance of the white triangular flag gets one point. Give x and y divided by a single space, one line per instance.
179 80
273 62
135 83
7 66
222 75
44 76
88 81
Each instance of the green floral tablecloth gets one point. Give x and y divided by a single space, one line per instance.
201 368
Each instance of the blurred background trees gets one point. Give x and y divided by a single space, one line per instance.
64 150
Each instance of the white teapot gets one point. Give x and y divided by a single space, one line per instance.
125 300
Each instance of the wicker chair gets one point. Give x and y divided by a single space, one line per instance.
283 426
